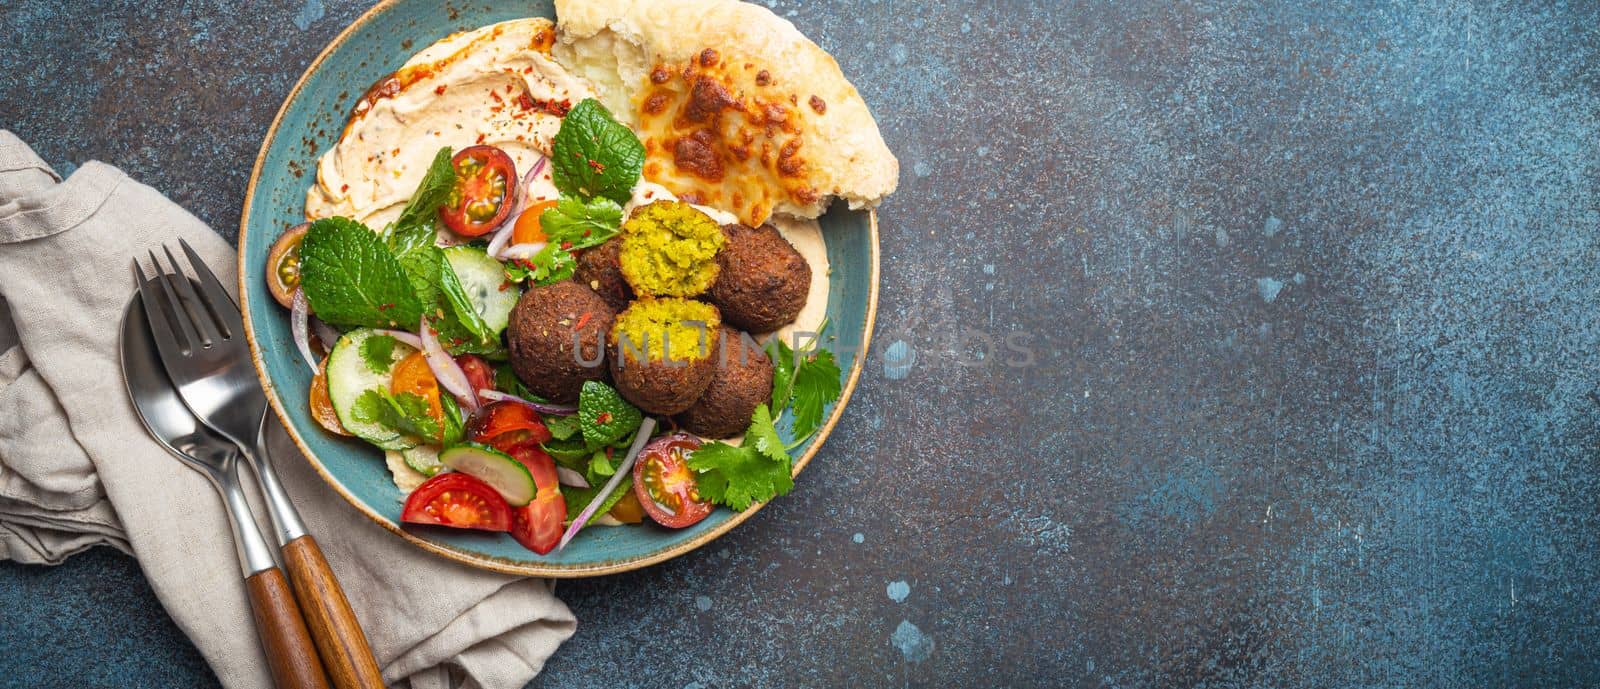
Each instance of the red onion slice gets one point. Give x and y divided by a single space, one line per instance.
541 407
325 333
640 437
572 478
446 370
522 251
299 315
403 337
502 236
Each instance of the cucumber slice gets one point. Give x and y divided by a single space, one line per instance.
349 376
495 468
482 278
423 458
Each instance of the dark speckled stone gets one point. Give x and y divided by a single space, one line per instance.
1308 297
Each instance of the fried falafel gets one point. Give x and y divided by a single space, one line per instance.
762 280
557 339
743 381
661 353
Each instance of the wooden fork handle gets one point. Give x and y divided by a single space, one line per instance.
333 624
291 657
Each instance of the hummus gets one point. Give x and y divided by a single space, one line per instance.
496 85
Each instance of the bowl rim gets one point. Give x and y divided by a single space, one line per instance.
554 570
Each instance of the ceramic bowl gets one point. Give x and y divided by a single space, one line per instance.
308 123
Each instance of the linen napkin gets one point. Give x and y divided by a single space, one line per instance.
78 470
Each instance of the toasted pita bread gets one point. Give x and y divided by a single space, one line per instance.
737 109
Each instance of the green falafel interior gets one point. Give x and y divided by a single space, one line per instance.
669 249
664 328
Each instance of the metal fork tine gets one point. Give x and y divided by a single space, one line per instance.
156 313
216 296
205 322
175 306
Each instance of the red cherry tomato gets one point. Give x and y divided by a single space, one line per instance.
503 425
486 183
538 525
457 500
480 375
664 484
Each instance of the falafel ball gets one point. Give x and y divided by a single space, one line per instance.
662 358
669 249
742 382
557 339
601 269
762 279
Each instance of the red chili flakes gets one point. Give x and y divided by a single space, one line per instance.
344 188
496 96
601 420
481 137
582 320
566 245
386 306
439 89
597 166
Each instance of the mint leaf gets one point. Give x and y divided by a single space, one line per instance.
378 352
561 427
756 471
454 428
405 413
573 453
455 295
603 416
816 384
600 466
351 279
593 155
579 498
422 211
574 224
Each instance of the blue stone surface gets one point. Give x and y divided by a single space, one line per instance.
1113 461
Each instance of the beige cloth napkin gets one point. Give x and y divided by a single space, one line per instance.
78 470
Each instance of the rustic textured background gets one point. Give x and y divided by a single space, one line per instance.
1309 299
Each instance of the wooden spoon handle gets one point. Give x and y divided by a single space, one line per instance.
291 657
333 624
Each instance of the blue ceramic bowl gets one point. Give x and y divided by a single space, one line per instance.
308 124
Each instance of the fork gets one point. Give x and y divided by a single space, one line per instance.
200 336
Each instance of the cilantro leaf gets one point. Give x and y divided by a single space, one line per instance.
582 225
552 264
816 384
756 471
350 277
603 416
595 155
579 498
406 413
783 361
378 352
422 211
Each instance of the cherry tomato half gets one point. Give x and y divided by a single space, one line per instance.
283 265
459 501
486 182
506 424
664 484
413 375
538 525
480 375
530 228
321 404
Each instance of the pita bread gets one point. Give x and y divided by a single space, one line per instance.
737 109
